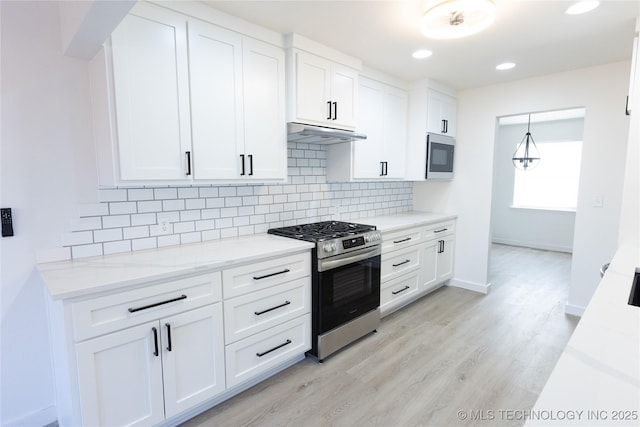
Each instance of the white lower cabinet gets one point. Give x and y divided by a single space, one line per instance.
149 355
415 261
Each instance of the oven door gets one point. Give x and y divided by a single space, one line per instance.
348 287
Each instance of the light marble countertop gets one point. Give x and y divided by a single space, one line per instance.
599 371
405 220
67 279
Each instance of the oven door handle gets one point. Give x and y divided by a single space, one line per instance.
324 265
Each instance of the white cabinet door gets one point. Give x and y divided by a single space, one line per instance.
429 277
151 89
265 137
445 258
120 378
325 92
313 88
395 132
215 56
192 358
441 113
344 93
368 154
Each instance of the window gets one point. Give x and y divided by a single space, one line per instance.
553 184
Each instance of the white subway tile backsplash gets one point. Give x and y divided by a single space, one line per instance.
119 208
148 243
136 194
150 206
143 219
131 219
115 221
84 251
107 235
117 247
165 193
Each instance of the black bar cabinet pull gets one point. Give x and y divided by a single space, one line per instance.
440 246
401 290
403 262
242 161
329 110
440 231
168 336
335 110
286 270
287 342
626 108
188 162
155 341
250 164
133 310
258 313
403 240
381 168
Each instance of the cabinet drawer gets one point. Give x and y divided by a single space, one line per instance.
261 275
400 239
252 356
439 230
398 290
109 313
251 313
400 262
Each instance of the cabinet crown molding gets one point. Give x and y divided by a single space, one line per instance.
296 41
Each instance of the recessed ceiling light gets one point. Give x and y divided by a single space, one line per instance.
582 7
505 66
421 54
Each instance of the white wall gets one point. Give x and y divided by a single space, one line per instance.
535 228
46 140
602 91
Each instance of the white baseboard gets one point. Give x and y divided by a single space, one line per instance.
42 417
533 245
471 286
574 310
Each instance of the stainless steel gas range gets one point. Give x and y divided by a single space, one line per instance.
345 281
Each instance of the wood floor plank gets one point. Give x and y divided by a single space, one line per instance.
453 350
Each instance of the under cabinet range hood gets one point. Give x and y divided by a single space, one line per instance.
298 132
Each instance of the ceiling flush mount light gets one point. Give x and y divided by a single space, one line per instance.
505 66
451 19
421 54
526 156
582 7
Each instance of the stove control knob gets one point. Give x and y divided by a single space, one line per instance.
334 247
329 247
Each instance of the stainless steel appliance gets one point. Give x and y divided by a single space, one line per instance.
345 283
298 132
440 150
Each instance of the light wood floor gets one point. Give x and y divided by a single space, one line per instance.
453 350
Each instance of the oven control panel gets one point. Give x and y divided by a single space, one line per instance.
352 243
338 246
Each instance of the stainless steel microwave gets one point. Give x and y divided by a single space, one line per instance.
440 150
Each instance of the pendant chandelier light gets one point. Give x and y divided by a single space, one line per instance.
451 19
527 155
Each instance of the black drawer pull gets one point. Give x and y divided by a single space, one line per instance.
403 240
286 270
155 342
133 310
168 336
440 231
274 348
258 313
403 262
401 290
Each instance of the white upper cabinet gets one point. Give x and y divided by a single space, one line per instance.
193 102
325 92
382 116
441 113
237 102
151 95
323 85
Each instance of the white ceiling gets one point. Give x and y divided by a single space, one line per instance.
535 34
